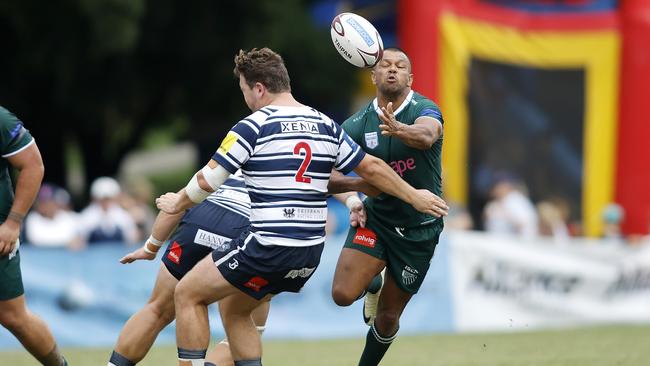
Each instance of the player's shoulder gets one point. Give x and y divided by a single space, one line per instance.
425 107
8 119
354 119
421 101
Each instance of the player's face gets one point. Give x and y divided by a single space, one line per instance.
392 75
251 95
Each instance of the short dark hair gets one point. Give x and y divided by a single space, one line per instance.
263 66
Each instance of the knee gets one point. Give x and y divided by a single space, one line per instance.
387 321
164 312
13 319
182 294
342 296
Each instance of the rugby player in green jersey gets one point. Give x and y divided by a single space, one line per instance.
404 129
18 150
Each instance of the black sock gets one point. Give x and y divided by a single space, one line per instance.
191 354
209 364
119 360
376 347
375 284
255 362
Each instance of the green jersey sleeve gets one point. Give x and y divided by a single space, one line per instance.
13 135
427 108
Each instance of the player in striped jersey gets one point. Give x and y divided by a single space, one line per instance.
209 226
286 151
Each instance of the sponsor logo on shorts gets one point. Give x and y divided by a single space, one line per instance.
303 272
175 252
409 275
256 283
365 237
212 240
233 264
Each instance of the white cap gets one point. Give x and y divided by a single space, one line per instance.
104 187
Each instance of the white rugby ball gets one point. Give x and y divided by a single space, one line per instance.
356 40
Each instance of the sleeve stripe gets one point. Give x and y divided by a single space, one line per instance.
19 150
16 131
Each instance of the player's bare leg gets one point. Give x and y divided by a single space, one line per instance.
200 287
384 330
243 336
141 330
220 354
31 331
354 272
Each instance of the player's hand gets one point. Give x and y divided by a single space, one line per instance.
137 254
168 203
390 125
358 215
9 231
431 204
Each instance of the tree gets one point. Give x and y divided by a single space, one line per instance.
104 73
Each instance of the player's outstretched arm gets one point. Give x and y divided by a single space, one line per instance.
340 183
422 134
379 174
204 182
162 228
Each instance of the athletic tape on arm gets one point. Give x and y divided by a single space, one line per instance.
194 191
214 177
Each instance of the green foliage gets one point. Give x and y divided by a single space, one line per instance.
106 73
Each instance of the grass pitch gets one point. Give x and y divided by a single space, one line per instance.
606 346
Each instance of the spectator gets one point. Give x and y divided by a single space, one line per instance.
612 216
136 201
51 223
510 211
552 222
104 220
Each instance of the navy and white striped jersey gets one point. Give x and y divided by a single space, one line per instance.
286 155
231 196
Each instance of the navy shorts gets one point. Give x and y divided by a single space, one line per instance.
258 270
192 242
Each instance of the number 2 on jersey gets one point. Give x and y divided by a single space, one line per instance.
305 163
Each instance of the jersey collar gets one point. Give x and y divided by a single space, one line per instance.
406 102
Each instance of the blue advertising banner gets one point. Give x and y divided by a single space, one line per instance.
87 296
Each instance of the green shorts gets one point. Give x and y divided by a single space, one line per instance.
406 251
11 281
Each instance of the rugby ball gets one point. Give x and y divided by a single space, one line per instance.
356 40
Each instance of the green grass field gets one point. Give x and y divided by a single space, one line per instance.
606 346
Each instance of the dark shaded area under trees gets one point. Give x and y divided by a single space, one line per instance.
104 73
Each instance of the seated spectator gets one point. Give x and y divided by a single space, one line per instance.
51 223
510 211
104 220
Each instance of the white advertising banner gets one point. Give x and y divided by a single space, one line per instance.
505 283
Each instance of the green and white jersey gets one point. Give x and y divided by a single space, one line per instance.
14 138
420 168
